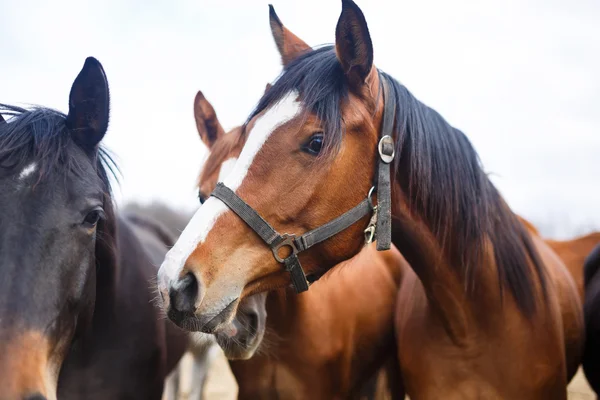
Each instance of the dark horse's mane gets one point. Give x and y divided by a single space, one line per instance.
41 133
436 166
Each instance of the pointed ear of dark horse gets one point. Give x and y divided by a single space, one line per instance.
353 44
267 88
289 45
207 122
89 105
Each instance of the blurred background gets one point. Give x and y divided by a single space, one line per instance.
520 78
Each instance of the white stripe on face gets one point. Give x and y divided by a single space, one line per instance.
204 219
226 168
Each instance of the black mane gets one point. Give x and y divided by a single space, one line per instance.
41 133
436 166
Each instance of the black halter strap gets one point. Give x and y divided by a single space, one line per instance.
297 244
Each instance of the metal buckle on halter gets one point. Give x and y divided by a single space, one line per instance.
287 240
371 228
386 141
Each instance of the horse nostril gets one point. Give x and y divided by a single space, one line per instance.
252 323
34 397
183 294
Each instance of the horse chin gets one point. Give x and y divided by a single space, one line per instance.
238 341
242 337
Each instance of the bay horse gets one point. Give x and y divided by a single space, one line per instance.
292 328
328 342
485 311
77 319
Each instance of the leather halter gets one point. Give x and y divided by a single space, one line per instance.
380 223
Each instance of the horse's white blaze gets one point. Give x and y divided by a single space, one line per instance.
28 170
204 219
226 168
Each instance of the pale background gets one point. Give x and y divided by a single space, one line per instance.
520 78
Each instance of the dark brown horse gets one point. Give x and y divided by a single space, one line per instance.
160 220
327 342
591 358
77 318
486 310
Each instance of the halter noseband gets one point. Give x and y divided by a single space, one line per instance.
379 227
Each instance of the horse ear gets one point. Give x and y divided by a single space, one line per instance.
89 105
289 45
268 87
353 44
207 122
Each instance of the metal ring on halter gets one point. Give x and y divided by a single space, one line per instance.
288 240
369 197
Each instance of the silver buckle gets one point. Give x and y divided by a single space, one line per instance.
386 158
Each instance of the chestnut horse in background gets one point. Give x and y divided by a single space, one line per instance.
572 252
325 343
77 318
486 309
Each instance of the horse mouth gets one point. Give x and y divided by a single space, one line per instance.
204 323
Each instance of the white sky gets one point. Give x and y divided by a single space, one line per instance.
520 77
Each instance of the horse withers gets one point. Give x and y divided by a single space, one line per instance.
77 318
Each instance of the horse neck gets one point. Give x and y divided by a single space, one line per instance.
363 290
444 288
283 309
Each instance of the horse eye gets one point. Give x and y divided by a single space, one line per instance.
92 218
314 144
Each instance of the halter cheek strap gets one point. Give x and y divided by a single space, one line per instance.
379 228
386 156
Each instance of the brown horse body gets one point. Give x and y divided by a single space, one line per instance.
485 311
327 343
427 328
132 348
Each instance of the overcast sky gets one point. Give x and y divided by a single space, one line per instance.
520 77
